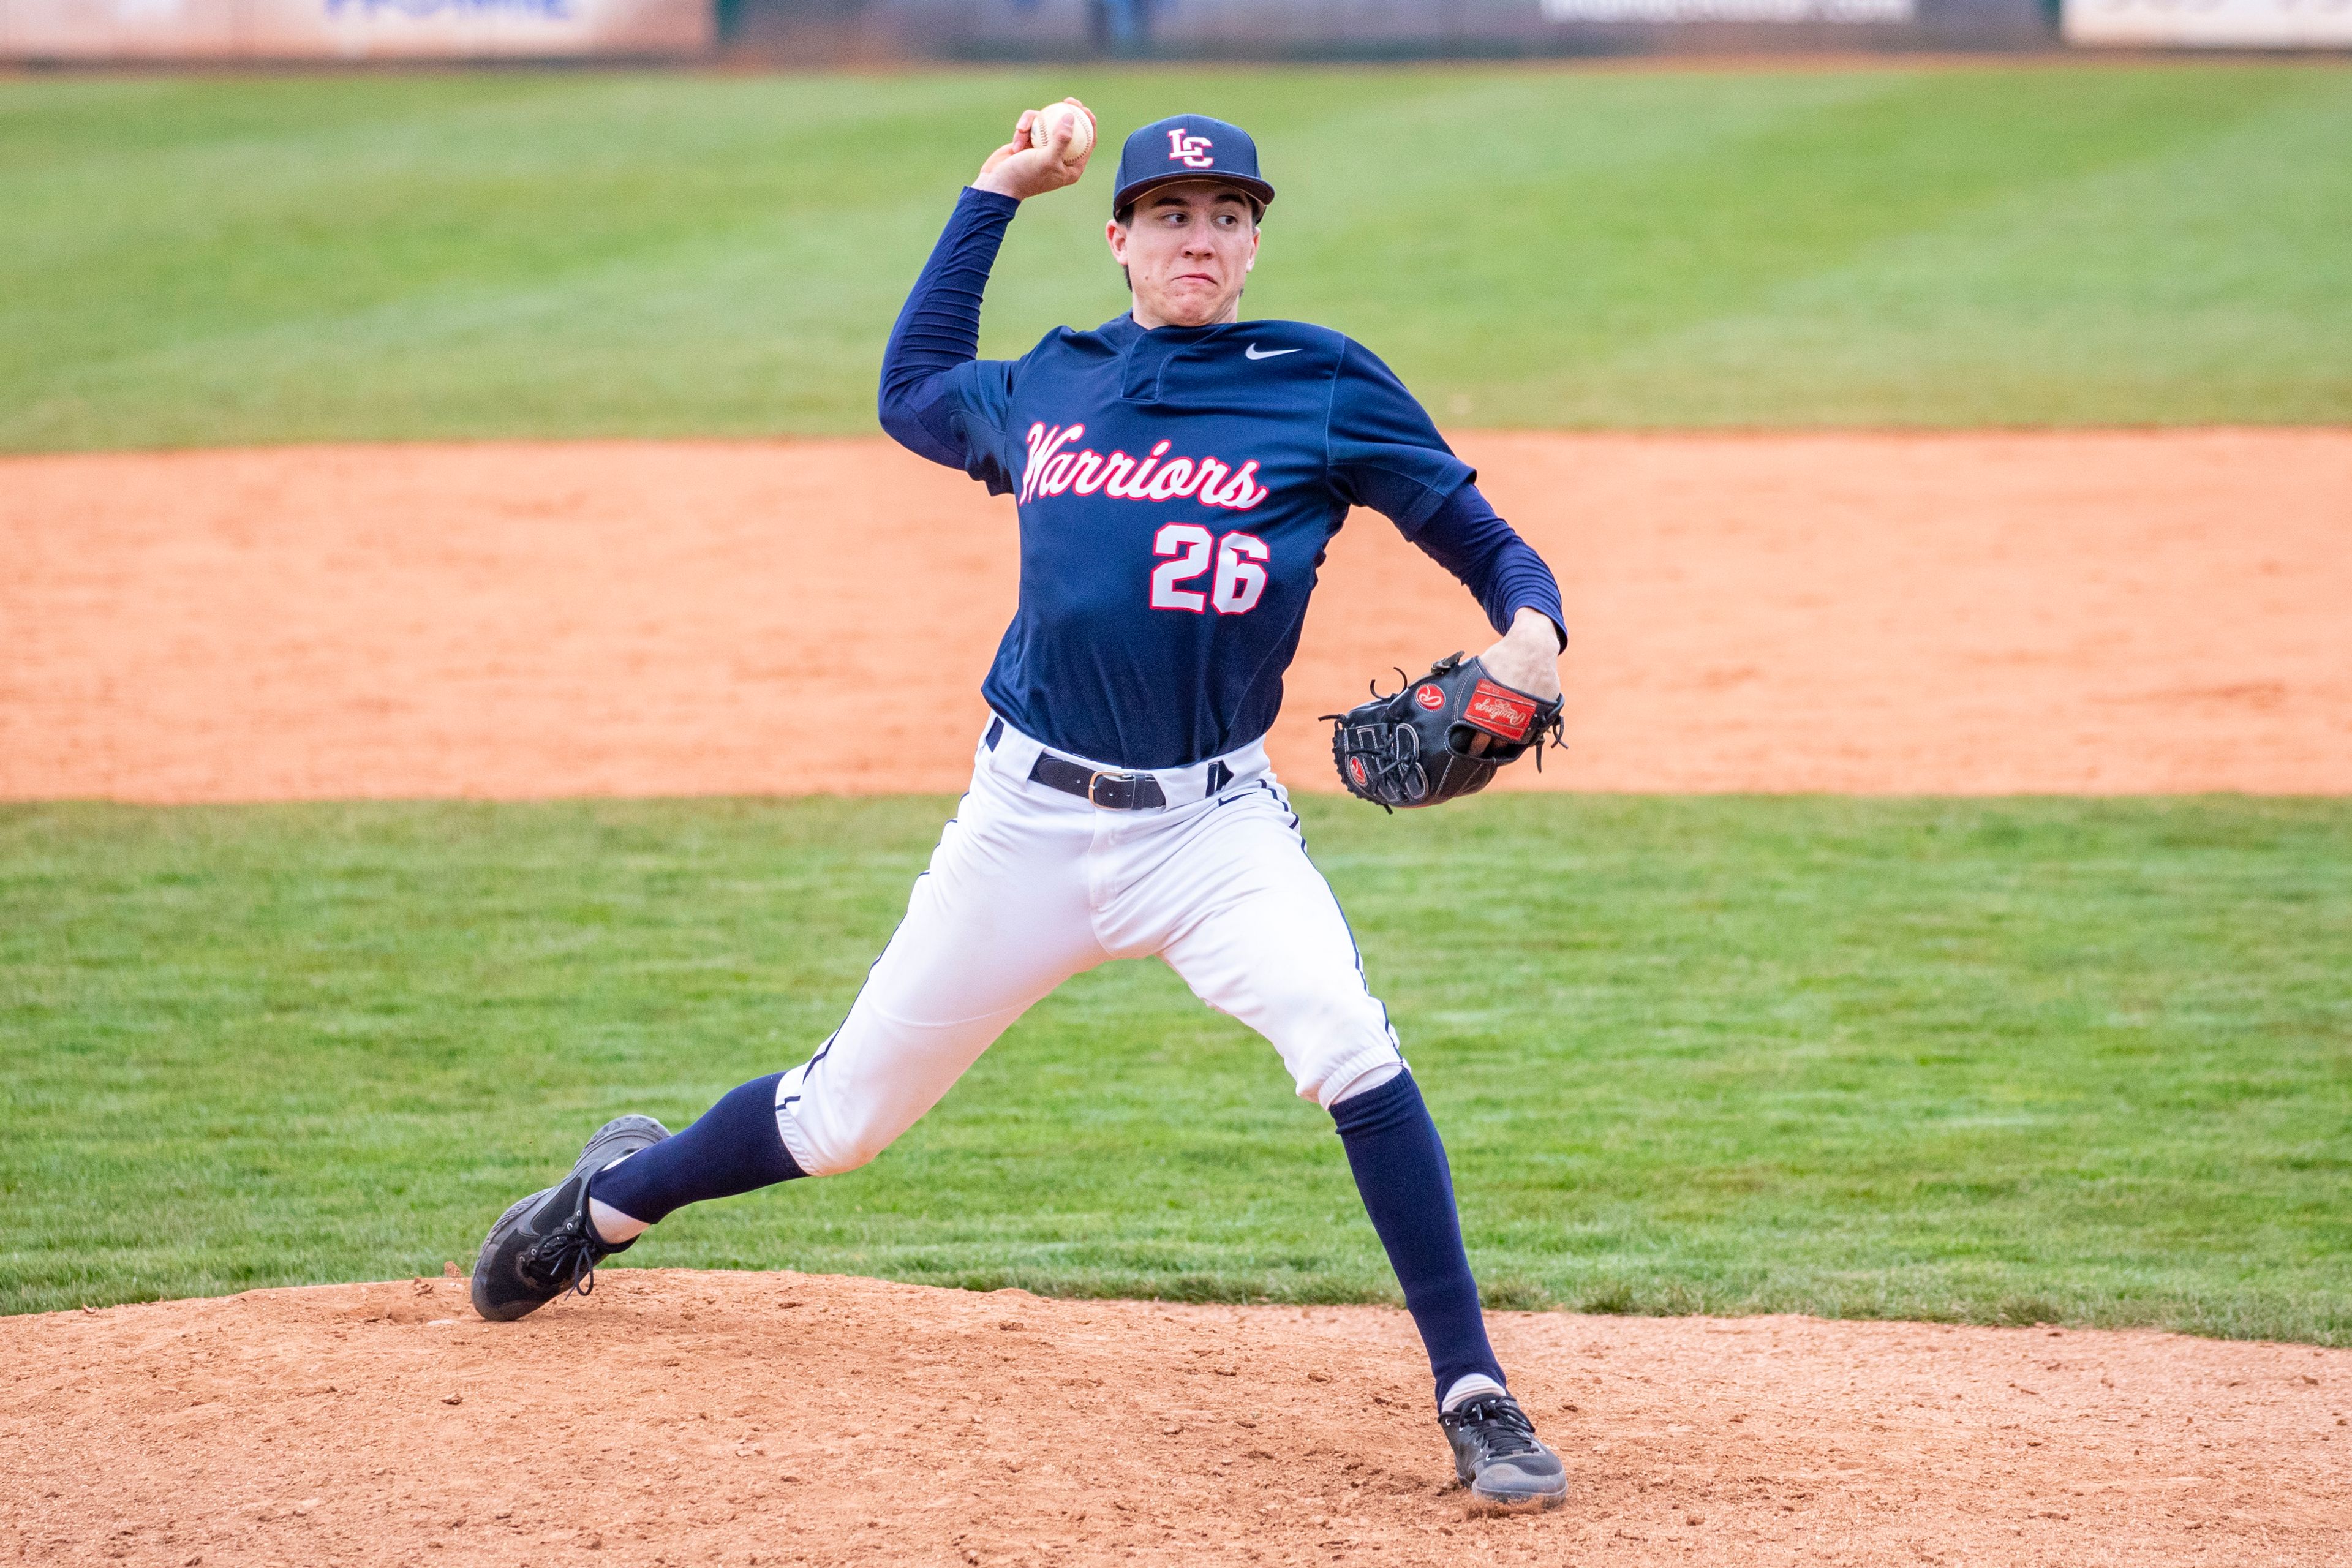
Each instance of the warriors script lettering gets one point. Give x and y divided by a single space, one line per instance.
1054 468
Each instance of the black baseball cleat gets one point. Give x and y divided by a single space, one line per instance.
1498 1458
544 1245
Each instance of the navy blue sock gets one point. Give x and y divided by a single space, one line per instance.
735 1148
1399 1167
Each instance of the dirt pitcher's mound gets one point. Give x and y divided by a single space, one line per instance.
686 1417
2070 613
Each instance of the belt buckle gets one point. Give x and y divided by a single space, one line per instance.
1096 777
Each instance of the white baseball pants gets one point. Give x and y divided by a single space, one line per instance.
1030 886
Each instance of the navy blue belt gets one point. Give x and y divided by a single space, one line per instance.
1110 791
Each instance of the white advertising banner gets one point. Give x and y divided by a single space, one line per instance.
350 29
2212 24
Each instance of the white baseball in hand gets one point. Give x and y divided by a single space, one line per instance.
1050 119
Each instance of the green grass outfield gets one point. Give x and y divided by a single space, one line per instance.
1992 1061
217 260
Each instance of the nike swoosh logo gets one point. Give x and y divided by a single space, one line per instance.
1251 352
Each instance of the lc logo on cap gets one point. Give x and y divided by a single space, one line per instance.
1192 152
1184 147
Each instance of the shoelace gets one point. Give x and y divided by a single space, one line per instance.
566 1258
1500 1424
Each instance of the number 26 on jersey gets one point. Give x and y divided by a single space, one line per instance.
1239 580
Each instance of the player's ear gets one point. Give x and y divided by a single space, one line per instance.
1115 233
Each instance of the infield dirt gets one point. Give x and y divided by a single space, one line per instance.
776 1419
2103 613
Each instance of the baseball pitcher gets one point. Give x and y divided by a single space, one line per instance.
1177 474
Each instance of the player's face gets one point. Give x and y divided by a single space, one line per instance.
1187 248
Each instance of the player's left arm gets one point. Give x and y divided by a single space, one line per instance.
1514 587
1383 452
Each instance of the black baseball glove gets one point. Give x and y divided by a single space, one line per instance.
1441 737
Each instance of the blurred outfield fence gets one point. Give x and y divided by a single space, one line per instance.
874 31
1293 29
192 31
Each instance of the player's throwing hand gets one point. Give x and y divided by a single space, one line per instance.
1025 167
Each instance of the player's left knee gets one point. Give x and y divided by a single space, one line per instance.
1332 1041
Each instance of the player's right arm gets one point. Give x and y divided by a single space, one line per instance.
938 399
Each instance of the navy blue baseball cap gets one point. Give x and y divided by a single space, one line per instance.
1187 147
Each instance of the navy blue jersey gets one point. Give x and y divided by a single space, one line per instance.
1177 490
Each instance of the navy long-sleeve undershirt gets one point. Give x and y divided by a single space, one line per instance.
938 329
1467 538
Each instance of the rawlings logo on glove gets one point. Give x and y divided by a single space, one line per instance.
1438 738
1501 711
